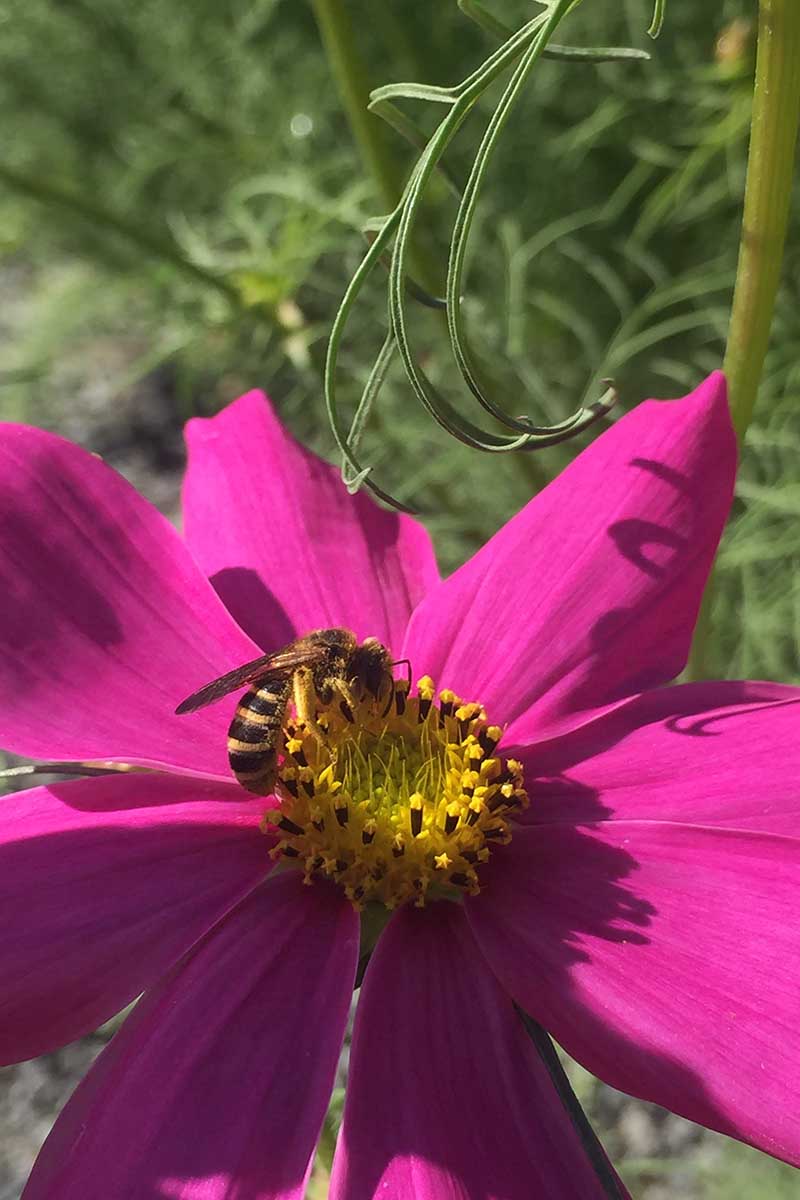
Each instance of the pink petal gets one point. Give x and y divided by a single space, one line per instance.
284 544
591 593
665 958
216 1086
447 1098
106 624
104 883
707 753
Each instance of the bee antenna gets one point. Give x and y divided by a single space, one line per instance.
406 662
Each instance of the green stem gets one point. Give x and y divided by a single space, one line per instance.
605 1173
770 168
776 116
350 74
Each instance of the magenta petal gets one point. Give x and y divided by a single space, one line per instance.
285 545
216 1086
665 958
591 593
446 1097
106 623
104 884
706 753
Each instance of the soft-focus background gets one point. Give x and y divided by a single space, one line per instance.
180 210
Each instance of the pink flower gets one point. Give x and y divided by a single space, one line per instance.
645 910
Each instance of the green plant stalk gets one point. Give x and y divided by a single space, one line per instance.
350 73
606 1176
775 121
348 69
770 169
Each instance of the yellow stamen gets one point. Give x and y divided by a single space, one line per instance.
395 799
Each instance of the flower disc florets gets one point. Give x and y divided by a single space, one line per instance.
395 799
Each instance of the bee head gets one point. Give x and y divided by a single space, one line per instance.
370 667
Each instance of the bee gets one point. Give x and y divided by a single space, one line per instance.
320 665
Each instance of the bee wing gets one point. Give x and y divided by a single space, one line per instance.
278 665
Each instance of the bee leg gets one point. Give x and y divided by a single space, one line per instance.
305 701
386 688
349 702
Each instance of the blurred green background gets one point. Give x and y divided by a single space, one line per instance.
181 205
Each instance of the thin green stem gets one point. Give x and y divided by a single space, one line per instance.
350 73
352 79
770 168
776 116
606 1176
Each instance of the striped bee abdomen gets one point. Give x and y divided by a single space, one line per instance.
254 733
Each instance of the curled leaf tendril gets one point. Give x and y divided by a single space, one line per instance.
390 237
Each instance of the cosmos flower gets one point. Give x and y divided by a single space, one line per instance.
634 887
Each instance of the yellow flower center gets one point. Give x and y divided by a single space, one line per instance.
395 799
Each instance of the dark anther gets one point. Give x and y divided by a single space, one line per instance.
319 825
472 816
469 855
289 826
300 758
459 879
486 743
445 710
416 821
346 711
341 815
400 701
290 785
341 865
492 835
463 727
398 851
367 836
358 892
498 800
308 787
450 822
424 707
290 852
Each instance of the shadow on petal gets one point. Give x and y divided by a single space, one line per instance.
104 883
552 867
254 608
33 563
647 947
634 537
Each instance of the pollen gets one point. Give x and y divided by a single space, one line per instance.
397 798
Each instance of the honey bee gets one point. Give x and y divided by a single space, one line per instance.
319 665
